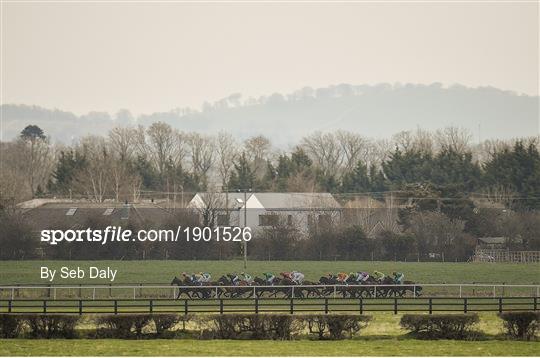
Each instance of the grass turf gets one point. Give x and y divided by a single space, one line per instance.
28 272
357 347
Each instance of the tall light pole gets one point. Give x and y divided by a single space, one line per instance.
244 242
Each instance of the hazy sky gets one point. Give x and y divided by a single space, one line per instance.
154 57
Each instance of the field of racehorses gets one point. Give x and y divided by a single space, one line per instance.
162 272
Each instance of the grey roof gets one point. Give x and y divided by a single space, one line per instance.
493 240
297 200
222 199
54 215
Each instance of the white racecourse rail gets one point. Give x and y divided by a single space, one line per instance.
459 289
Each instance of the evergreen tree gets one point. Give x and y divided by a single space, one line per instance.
242 177
356 181
408 167
69 163
516 170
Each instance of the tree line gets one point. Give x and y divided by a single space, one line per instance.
132 161
454 190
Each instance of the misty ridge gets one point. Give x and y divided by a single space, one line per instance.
376 111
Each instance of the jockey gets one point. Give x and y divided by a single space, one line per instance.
186 278
379 276
331 276
246 277
205 277
363 276
197 278
297 277
269 277
235 279
286 275
342 277
398 278
355 276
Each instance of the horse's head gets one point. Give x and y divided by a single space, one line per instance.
259 281
176 281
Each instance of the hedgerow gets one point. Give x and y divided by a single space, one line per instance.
521 325
448 326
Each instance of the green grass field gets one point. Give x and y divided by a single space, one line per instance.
361 347
162 272
28 272
383 337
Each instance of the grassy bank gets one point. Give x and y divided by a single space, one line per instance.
363 347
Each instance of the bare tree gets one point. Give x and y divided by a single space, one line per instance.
164 144
354 148
123 141
454 139
404 141
94 179
36 157
201 153
212 203
325 151
257 149
227 151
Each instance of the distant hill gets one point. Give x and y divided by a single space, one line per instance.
375 111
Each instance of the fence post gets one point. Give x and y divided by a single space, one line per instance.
256 305
94 294
292 292
361 306
535 303
494 292
134 292
185 307
375 291
49 291
335 288
80 307
220 306
326 305
292 306
80 290
430 305
151 306
110 289
54 293
395 305
140 289
44 306
460 291
10 302
12 293
465 305
500 305
216 292
414 291
115 306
